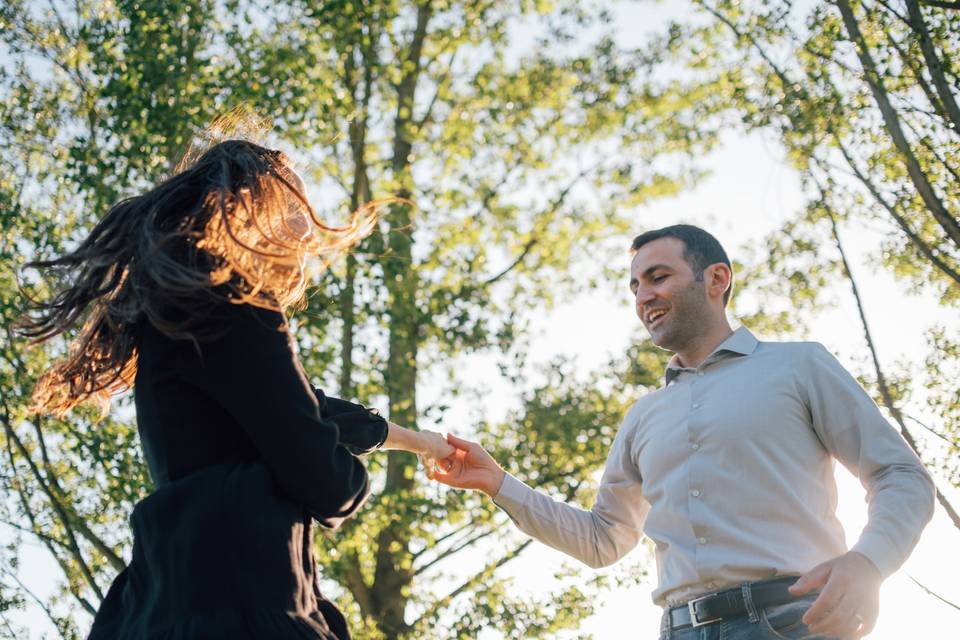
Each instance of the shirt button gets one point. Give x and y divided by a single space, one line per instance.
695 493
696 405
702 540
695 446
699 373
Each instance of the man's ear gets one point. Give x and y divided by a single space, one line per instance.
717 278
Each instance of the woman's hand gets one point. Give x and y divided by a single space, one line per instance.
434 446
429 446
471 468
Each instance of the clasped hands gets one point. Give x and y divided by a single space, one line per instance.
460 463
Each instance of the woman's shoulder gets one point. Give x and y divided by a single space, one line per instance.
211 321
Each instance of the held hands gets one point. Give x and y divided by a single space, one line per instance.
470 467
431 447
849 600
428 445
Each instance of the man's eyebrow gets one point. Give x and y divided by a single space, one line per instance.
647 273
650 270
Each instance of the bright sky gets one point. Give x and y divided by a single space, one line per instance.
750 192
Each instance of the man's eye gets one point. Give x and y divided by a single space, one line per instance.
659 278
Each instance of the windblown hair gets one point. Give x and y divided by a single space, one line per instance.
231 225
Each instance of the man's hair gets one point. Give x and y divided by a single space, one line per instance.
700 249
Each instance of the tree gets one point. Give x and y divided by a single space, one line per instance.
512 168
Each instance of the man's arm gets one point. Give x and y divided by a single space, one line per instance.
597 537
900 495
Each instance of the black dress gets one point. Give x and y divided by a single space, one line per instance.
244 454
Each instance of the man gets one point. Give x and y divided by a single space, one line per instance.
728 468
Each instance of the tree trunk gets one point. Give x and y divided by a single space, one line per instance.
393 571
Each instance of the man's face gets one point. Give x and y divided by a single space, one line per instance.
670 302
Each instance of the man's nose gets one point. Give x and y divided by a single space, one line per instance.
644 296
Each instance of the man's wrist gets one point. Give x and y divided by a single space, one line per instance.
867 563
494 487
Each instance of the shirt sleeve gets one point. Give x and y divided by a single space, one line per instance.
598 537
253 372
362 430
900 492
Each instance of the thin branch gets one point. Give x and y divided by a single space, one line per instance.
79 522
65 520
935 595
457 549
76 521
36 533
28 511
952 443
485 573
40 603
450 534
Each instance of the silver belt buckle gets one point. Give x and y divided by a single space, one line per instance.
691 607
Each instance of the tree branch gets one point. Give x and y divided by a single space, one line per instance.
456 549
47 540
483 574
935 595
892 122
943 4
902 222
56 623
934 66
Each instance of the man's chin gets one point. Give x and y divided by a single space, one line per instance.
660 339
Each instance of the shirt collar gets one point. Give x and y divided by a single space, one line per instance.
741 342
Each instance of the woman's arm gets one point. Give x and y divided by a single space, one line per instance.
253 373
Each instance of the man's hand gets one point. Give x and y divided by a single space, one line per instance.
849 600
470 467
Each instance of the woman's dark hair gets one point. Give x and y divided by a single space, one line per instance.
700 248
230 225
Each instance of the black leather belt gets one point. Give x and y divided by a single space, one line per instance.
730 603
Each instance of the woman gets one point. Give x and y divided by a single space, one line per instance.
185 288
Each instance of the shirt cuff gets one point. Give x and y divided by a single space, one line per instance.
878 550
512 494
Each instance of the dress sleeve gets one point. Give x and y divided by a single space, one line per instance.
253 373
362 430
